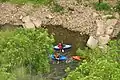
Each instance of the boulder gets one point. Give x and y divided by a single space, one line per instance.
26 19
103 40
49 16
117 16
92 42
101 28
111 22
28 25
37 22
109 30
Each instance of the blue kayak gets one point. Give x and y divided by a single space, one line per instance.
66 46
62 58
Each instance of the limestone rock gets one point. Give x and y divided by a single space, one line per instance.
111 22
106 16
103 40
28 25
109 30
21 17
27 22
92 42
101 28
117 16
95 14
26 19
49 16
37 22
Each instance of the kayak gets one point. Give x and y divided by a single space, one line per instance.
73 58
66 46
78 58
62 58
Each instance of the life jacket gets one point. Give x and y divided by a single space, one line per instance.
60 46
56 55
76 58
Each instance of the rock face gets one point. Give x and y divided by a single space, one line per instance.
79 19
75 17
104 31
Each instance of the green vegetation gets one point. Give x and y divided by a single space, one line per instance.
102 6
28 1
57 8
99 64
117 7
24 51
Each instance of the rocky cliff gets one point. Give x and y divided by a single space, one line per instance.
75 17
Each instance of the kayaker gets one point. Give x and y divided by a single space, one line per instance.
60 45
57 56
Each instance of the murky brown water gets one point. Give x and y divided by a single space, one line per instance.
68 37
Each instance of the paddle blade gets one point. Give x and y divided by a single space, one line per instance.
63 50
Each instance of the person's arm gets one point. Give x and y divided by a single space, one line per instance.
57 58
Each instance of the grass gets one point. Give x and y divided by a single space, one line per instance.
102 6
57 8
28 1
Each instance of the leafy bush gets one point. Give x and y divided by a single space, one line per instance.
27 48
57 8
99 65
117 7
102 6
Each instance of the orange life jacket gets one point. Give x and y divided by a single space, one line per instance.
56 55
